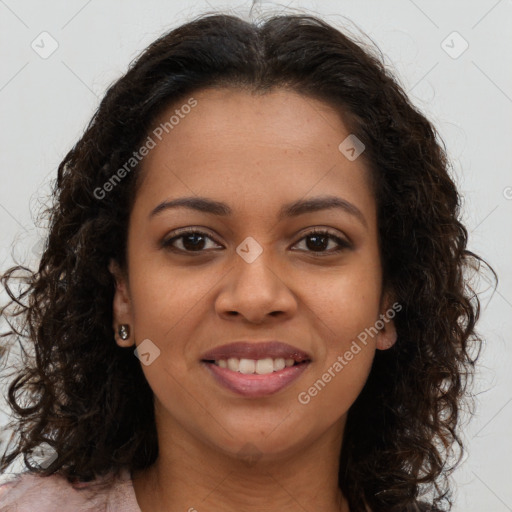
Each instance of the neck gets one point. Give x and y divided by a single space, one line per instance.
191 476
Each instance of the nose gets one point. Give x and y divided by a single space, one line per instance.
255 291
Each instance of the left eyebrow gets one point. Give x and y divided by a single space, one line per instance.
321 203
293 209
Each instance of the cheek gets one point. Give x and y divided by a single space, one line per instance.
347 302
165 299
334 388
347 351
348 314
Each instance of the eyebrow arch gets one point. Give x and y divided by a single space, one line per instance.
293 209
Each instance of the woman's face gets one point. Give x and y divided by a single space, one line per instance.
257 273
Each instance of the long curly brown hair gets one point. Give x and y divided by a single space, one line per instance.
402 433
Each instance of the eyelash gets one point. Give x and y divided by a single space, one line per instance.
343 244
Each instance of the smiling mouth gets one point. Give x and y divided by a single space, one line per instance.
254 378
256 366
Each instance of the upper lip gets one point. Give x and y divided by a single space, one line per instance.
256 350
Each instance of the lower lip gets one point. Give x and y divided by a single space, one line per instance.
253 385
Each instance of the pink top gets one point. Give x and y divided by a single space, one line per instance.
28 492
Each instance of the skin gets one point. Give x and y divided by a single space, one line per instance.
255 153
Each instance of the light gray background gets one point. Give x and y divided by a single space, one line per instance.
46 103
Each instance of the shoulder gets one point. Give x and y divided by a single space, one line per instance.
29 492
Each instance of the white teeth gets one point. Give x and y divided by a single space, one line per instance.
279 364
258 366
264 366
233 364
246 366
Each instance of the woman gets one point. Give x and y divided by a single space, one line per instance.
252 295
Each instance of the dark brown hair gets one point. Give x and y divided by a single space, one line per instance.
401 432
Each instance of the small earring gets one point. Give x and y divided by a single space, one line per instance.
124 331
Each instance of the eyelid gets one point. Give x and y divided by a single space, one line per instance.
343 242
180 232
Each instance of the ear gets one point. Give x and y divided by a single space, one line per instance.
122 310
387 336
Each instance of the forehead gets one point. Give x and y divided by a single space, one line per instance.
244 120
238 146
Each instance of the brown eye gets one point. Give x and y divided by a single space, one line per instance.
195 241
318 242
190 241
